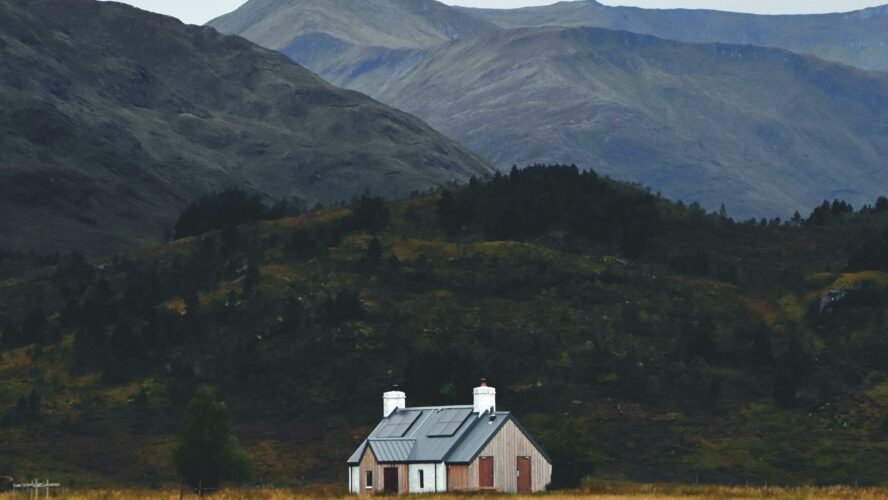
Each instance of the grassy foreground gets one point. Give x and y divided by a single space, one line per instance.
609 491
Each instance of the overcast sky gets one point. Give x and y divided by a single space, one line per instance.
201 11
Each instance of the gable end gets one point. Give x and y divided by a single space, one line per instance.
499 428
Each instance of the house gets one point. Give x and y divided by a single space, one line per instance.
435 449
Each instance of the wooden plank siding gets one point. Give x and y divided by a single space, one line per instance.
458 478
506 446
368 462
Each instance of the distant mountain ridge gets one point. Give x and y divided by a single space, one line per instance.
858 38
371 23
113 119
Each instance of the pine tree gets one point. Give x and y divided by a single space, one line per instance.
207 453
373 257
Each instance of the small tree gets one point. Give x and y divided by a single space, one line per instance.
207 453
572 453
373 257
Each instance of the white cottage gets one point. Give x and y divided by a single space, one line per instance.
437 449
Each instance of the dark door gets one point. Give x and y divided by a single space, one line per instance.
390 480
524 475
485 472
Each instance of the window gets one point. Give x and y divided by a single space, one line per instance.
421 479
369 484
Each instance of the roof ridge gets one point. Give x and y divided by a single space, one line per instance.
442 407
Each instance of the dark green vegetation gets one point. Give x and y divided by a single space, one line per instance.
231 207
646 339
112 120
853 38
207 453
763 130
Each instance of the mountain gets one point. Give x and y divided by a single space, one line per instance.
668 344
705 123
341 38
763 130
114 119
855 38
281 24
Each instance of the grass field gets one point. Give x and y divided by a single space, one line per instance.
606 491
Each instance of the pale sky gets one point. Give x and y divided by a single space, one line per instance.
201 11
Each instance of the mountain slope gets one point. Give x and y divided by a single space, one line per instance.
856 38
372 23
763 130
339 39
113 119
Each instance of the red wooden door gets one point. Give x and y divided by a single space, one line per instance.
390 480
485 472
525 485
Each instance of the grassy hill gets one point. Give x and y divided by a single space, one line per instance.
854 38
662 342
113 119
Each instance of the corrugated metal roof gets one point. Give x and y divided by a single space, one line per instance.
355 458
423 440
477 438
392 450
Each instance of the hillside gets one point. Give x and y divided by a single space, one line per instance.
855 38
340 38
765 131
697 122
372 23
113 119
658 341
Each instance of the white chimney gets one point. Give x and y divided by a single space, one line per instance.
392 401
485 398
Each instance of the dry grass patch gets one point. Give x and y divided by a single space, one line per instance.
603 491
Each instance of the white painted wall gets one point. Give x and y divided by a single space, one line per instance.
441 477
428 471
354 480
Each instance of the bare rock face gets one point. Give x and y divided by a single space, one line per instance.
114 119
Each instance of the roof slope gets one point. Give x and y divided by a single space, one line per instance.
452 434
